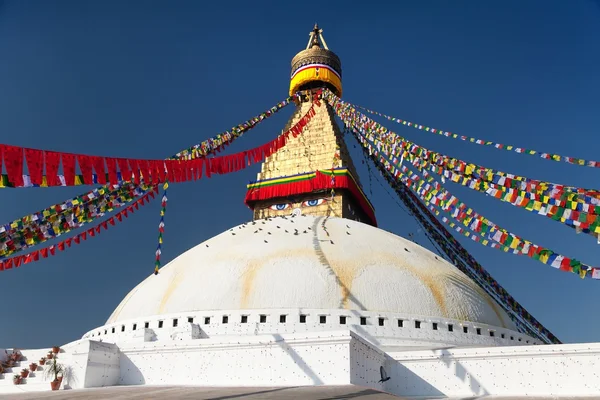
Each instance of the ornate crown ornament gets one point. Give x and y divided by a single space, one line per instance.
316 66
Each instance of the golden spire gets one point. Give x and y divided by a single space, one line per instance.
313 173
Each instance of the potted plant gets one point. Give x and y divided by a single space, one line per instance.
53 371
33 367
17 379
55 349
24 373
15 356
42 360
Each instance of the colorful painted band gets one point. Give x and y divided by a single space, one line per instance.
315 72
307 183
325 66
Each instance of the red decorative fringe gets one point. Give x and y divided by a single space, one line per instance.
320 182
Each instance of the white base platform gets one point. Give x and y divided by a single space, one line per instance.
334 358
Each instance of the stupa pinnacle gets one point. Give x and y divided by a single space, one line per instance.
313 174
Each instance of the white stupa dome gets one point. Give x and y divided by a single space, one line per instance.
295 263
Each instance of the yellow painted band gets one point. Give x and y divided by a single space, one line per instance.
315 74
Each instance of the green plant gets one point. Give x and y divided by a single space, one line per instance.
54 369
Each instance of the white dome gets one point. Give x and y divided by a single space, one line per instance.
294 263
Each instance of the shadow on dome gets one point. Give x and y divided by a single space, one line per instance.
347 294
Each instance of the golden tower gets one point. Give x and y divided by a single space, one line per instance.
313 174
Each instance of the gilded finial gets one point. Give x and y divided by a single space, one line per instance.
316 64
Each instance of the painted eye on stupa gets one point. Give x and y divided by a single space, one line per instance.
313 203
280 207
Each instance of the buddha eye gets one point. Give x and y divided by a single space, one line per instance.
313 203
280 207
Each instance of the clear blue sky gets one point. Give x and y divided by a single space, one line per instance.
144 79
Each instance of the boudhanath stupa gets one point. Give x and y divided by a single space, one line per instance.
310 293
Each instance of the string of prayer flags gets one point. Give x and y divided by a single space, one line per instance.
468 217
161 227
579 207
17 261
452 248
391 144
218 142
28 232
481 142
582 217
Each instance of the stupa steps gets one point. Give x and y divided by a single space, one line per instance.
36 381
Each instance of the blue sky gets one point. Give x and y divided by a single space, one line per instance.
147 79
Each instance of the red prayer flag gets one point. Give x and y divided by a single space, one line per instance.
111 221
61 246
104 225
44 252
98 163
68 242
170 170
35 165
135 169
68 163
124 168
18 261
98 227
13 161
76 239
8 264
1 262
207 161
145 171
85 165
52 249
84 235
52 164
111 166
162 174
119 216
91 232
199 165
565 265
35 255
152 167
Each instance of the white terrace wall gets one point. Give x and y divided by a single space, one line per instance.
550 370
263 360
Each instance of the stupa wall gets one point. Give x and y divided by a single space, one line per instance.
548 370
